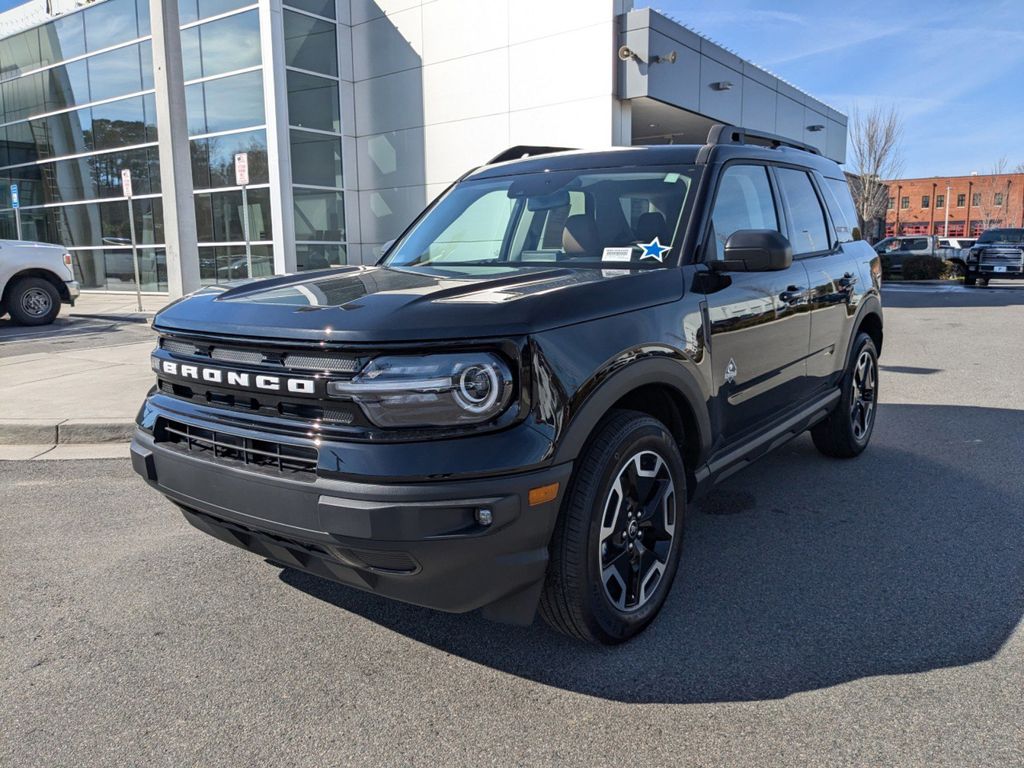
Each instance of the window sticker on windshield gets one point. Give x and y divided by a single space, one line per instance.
617 254
671 178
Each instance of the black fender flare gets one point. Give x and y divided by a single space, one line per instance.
674 372
871 305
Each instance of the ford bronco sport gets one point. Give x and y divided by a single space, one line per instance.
517 405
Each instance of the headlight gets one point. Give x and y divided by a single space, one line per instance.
430 390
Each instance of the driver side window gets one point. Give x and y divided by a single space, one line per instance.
744 201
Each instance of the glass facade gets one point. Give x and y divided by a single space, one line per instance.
77 106
314 132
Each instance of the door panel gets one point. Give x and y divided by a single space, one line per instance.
759 325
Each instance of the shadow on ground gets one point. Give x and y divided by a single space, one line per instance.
800 573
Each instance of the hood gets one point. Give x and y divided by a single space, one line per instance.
376 304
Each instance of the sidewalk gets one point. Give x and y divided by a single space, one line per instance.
78 382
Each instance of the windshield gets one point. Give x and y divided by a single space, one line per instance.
591 218
1015 236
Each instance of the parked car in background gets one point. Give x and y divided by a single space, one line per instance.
998 254
955 250
35 278
895 250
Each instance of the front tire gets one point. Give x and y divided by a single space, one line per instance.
970 281
847 430
616 546
33 301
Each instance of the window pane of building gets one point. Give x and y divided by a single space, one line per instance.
115 73
310 43
219 264
313 102
19 53
319 215
23 97
319 7
109 23
234 102
213 159
62 39
319 256
316 159
219 216
221 46
119 123
66 86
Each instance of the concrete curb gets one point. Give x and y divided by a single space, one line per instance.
65 431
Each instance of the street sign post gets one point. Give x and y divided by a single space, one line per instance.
126 190
16 205
242 180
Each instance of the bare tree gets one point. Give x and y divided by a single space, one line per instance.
874 159
993 193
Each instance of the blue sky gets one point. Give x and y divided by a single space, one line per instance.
954 69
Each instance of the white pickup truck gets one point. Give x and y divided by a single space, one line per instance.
35 278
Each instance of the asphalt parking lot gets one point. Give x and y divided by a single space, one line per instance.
865 612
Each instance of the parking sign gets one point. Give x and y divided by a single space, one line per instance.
15 201
126 182
242 169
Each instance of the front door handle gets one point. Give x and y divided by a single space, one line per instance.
792 294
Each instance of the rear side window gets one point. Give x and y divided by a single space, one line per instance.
744 201
841 209
808 233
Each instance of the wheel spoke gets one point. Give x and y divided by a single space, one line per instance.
637 530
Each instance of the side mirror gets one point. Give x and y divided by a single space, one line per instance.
755 250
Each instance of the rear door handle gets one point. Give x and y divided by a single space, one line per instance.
792 294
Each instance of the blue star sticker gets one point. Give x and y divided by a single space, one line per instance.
654 250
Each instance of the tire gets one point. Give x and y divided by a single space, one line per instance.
847 430
983 282
970 281
631 458
33 301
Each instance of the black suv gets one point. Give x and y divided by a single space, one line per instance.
517 405
997 255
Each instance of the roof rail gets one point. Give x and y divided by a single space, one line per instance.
520 151
732 134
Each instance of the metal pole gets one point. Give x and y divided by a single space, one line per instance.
135 254
945 231
245 226
17 221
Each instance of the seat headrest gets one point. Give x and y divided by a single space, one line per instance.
652 225
579 237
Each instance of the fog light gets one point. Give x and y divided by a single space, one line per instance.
484 516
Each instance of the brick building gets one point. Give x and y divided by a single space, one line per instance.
973 204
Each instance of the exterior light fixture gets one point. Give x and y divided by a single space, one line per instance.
722 85
816 127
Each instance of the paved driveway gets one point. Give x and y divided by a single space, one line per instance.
826 613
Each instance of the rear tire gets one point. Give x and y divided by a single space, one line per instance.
33 301
616 545
847 430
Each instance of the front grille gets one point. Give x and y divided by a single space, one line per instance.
237 355
218 446
176 347
341 414
1011 258
322 363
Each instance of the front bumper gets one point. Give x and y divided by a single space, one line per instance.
419 543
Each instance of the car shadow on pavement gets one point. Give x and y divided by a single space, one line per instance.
799 573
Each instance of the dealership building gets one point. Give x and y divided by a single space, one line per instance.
352 115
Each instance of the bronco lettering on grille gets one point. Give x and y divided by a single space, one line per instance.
236 379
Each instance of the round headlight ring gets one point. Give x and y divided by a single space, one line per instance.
478 387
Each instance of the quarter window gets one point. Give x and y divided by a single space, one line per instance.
808 232
841 208
744 201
